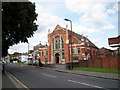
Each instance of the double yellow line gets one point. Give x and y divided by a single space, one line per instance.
18 81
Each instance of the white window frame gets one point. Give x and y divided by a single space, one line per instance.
80 51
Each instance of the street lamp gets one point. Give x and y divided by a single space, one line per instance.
71 41
28 52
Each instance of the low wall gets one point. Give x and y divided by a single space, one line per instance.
69 65
81 63
49 65
106 62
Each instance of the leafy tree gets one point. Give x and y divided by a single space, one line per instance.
16 53
18 23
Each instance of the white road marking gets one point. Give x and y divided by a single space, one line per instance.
86 84
49 75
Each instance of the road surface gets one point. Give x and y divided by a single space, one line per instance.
32 77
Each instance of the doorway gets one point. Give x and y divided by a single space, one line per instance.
57 58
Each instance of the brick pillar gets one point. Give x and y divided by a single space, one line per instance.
67 52
49 53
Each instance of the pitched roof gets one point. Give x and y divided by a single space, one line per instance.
79 37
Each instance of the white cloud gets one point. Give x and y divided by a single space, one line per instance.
21 47
116 6
107 26
104 1
92 13
83 30
46 1
110 11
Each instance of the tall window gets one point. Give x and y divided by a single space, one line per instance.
78 51
53 44
94 51
90 51
57 43
62 44
46 53
63 55
72 51
42 53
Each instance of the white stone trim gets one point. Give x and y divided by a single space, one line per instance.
67 41
48 44
114 45
83 54
88 48
82 39
42 48
82 43
82 47
76 44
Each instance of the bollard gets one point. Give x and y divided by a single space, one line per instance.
69 67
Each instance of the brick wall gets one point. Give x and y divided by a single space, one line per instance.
83 63
112 62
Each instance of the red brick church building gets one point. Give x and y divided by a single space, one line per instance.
58 50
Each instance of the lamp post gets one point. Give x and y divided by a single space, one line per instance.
71 41
28 52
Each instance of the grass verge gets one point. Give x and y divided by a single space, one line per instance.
23 63
97 70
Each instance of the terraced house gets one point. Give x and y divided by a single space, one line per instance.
60 50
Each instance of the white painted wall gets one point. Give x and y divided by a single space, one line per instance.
24 58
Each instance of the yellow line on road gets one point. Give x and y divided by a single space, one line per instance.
18 81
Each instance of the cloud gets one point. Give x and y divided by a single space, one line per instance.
110 11
21 47
92 13
46 1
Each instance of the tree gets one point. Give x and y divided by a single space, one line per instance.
18 23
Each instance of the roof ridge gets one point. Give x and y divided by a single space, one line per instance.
80 36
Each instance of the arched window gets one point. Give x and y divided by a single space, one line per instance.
57 43
62 43
53 44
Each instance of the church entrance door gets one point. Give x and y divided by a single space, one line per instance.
57 58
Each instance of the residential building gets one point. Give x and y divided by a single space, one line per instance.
104 52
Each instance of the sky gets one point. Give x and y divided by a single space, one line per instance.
95 19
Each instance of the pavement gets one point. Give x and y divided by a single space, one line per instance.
7 81
87 73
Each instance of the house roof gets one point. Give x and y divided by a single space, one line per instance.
79 37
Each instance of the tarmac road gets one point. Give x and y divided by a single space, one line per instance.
32 77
